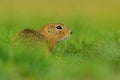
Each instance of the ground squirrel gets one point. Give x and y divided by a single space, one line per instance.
49 35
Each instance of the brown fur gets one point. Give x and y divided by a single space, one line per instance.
47 33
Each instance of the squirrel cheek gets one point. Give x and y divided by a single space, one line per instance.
61 32
49 31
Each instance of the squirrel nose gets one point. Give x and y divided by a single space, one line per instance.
71 32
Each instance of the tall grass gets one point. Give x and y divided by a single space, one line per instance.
92 52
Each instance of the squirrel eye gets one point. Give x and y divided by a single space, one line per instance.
59 27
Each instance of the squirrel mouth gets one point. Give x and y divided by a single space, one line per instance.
63 39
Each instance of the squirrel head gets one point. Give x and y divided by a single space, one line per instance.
55 32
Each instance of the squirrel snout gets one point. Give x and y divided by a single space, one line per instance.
71 32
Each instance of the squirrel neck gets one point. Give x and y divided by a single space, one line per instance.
51 42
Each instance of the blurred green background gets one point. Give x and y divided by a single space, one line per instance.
92 52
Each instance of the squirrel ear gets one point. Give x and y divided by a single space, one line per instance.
44 30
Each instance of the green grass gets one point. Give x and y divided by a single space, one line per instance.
91 53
